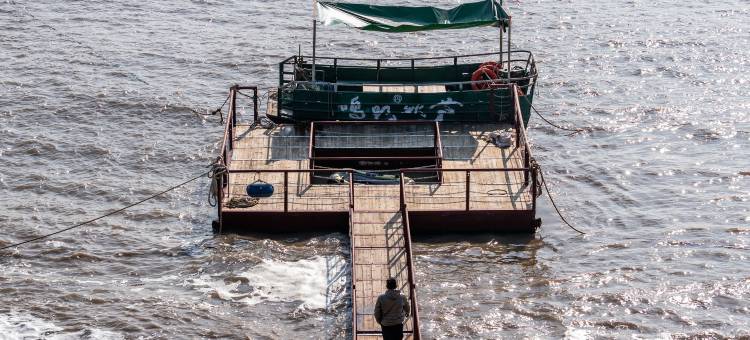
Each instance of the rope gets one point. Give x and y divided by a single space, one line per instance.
574 131
536 165
214 112
216 173
105 215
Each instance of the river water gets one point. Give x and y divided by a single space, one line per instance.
97 110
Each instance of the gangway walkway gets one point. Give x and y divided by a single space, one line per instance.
381 248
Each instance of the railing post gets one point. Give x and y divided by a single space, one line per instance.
286 191
230 116
401 194
534 179
351 190
517 124
311 147
234 105
220 200
255 104
468 189
526 164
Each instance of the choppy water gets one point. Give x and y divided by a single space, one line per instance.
96 101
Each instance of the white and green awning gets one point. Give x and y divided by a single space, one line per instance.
410 19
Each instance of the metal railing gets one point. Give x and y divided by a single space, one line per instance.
227 142
409 263
528 64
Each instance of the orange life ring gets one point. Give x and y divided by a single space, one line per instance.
492 64
480 74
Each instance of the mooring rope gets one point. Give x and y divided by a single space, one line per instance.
214 112
574 130
217 171
105 215
536 165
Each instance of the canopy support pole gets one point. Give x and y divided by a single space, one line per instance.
509 57
315 26
500 63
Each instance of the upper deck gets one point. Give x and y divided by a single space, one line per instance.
465 88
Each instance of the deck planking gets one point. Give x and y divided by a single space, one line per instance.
286 147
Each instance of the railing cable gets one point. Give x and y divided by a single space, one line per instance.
105 215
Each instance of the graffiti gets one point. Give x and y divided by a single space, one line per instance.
378 110
356 110
444 108
414 110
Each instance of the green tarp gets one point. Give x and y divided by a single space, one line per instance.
410 19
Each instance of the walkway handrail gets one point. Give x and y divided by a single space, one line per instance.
409 263
521 139
353 256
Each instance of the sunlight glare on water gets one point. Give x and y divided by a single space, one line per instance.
97 110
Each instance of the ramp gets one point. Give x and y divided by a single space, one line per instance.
381 248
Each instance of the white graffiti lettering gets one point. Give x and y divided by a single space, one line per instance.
414 110
355 109
378 110
444 108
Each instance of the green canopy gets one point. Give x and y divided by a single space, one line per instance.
410 19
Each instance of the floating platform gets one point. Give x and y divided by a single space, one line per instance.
432 177
462 182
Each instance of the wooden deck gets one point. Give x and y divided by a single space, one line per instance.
464 147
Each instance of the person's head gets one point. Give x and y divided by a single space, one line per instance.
390 283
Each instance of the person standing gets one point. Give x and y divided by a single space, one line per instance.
391 309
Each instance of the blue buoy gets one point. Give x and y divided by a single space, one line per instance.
259 189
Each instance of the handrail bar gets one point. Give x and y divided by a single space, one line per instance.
419 58
335 85
353 255
412 283
350 169
338 158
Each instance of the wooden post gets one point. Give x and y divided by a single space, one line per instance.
468 189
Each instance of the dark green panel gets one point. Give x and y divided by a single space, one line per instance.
466 106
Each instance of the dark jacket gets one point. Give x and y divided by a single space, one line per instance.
391 308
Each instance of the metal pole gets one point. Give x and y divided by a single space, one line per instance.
255 104
286 191
315 37
510 19
500 64
468 189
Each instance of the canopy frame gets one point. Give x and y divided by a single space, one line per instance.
503 21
